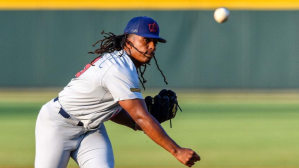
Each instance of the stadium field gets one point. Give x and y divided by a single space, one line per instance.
227 129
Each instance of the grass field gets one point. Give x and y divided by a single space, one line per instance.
227 129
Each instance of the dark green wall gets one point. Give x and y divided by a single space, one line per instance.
254 49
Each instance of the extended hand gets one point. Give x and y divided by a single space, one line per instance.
187 156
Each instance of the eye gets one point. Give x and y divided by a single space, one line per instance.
146 40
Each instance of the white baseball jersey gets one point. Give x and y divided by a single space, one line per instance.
93 95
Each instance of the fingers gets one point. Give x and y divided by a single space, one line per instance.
188 157
196 156
192 160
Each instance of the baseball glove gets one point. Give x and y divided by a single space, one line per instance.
163 106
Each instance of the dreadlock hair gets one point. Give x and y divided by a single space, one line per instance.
111 43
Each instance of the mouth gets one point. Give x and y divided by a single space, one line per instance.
148 55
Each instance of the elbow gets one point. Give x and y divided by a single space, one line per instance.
141 120
146 121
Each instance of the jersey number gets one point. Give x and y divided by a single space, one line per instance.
86 67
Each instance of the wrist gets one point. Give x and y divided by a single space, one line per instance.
174 152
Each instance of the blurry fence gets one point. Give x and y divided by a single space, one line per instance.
254 49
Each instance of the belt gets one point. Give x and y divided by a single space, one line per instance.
66 115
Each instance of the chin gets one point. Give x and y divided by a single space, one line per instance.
148 60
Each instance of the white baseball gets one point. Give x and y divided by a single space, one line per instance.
221 15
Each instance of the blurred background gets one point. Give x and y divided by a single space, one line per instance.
237 82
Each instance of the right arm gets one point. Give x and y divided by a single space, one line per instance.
123 118
137 110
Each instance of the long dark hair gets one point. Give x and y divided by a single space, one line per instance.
111 43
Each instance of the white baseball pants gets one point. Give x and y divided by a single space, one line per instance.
57 140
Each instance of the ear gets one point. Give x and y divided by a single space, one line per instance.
129 43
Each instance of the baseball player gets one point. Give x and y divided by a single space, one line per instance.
72 125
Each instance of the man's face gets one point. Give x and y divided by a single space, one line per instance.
147 47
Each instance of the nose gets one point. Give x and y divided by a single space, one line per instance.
152 45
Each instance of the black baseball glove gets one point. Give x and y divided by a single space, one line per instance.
163 106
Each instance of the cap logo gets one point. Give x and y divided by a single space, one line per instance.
153 27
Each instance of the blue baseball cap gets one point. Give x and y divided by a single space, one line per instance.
145 27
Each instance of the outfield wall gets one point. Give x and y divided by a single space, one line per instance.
254 49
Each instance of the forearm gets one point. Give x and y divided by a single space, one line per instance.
154 130
138 111
149 125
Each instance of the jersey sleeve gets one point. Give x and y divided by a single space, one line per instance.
123 84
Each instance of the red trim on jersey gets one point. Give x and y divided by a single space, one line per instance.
86 67
115 113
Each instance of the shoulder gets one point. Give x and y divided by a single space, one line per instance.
120 62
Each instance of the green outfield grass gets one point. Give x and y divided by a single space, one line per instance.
227 129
